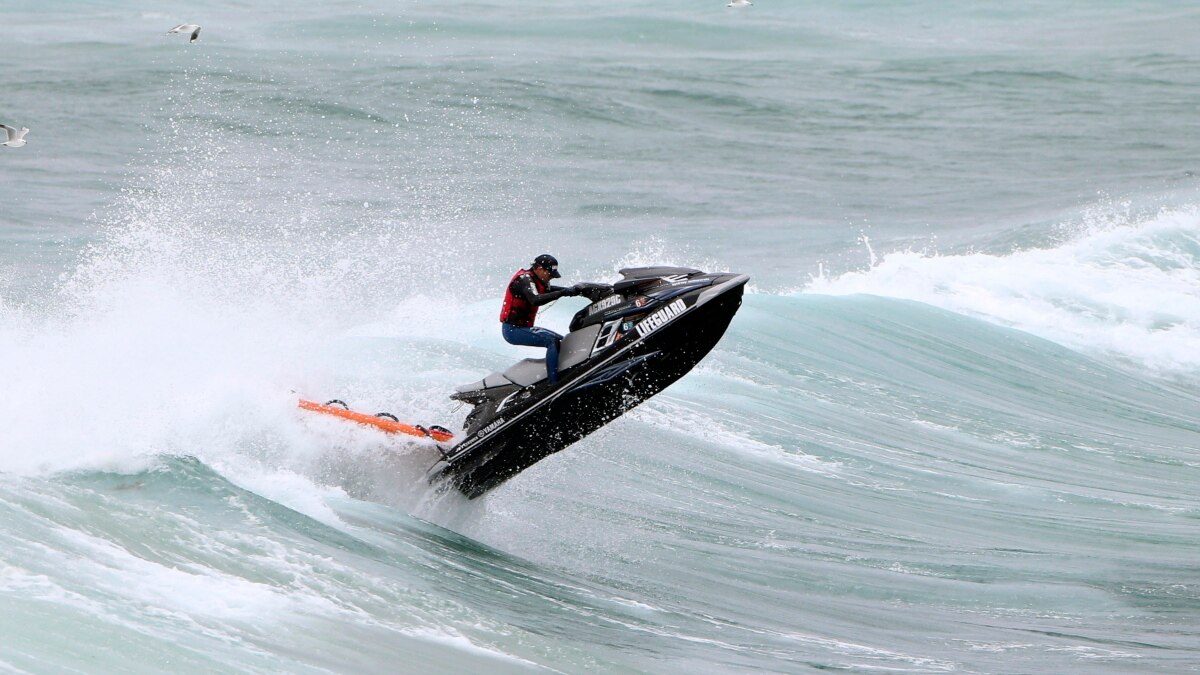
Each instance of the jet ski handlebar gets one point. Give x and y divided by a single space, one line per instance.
593 291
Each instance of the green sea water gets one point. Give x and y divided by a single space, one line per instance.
953 428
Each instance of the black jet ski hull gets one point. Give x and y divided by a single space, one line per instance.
591 399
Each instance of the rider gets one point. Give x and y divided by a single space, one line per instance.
528 290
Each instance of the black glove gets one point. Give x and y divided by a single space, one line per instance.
575 290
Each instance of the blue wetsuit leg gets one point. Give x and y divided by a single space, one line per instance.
536 337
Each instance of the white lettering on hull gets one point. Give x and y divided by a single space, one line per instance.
492 426
660 318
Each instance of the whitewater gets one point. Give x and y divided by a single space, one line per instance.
954 426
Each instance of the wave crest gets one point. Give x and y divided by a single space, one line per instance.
1120 288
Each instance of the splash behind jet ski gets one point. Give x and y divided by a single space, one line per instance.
636 338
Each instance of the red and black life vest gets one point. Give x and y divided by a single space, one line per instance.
516 310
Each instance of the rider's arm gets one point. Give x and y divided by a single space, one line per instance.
525 287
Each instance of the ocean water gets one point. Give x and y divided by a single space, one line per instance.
955 426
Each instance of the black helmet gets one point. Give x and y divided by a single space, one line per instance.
548 263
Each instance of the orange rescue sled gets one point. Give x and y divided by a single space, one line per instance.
383 421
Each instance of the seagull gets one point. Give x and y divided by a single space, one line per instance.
185 27
739 3
15 138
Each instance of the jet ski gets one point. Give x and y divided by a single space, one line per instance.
635 338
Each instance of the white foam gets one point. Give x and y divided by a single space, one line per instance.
292 490
1130 289
457 641
676 418
189 591
150 372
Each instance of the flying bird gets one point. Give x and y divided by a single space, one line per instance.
15 138
184 28
739 3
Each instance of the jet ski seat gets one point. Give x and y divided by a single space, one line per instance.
526 372
522 373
